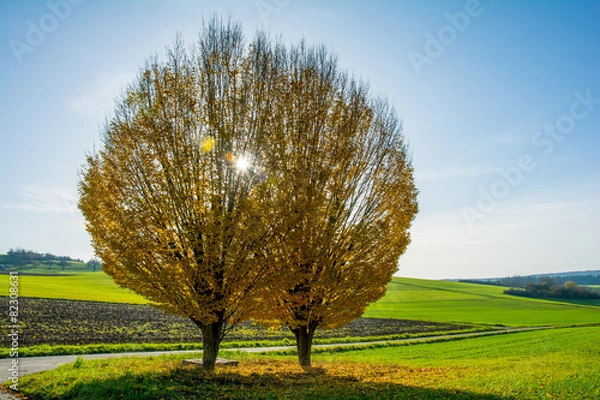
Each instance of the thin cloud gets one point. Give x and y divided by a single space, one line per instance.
536 234
454 172
560 207
98 95
38 198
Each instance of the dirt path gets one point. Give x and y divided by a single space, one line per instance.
7 396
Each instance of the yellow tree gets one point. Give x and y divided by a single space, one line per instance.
250 181
173 198
343 187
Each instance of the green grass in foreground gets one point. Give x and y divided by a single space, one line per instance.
555 363
445 301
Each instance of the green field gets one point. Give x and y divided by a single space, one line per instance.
559 363
553 363
467 302
550 364
427 300
92 286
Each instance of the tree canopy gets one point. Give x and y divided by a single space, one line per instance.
343 189
250 180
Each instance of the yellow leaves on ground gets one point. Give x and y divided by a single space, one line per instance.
330 373
289 373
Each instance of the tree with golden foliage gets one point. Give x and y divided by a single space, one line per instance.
345 193
173 199
250 181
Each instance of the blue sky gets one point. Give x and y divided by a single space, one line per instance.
500 102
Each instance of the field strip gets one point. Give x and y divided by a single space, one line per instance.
30 365
428 339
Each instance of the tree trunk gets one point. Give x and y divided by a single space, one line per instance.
304 337
211 341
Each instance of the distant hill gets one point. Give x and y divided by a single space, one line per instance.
590 277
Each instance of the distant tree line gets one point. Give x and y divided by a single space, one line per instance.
21 256
522 281
26 259
547 288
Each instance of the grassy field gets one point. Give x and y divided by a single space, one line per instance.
555 363
466 302
56 326
550 364
92 286
426 300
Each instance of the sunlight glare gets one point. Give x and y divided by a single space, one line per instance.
242 164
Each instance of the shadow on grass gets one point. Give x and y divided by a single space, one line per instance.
227 383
